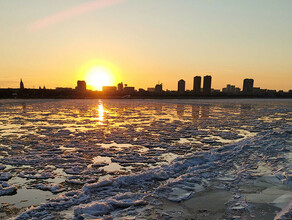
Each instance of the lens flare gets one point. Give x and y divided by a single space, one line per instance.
72 12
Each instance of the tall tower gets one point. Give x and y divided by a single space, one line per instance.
181 87
248 86
197 84
21 85
207 85
81 86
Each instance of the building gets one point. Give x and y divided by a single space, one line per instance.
197 84
120 87
207 85
21 85
109 89
237 90
257 90
231 89
81 86
64 89
129 90
158 88
150 89
248 86
181 87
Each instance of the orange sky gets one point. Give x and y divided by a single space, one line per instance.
53 43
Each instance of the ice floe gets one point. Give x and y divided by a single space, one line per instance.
5 176
142 153
7 189
36 175
54 188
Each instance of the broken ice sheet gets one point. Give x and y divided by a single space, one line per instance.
54 188
7 189
137 136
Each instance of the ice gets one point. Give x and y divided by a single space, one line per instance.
36 175
128 199
94 209
94 186
97 165
284 199
227 178
104 207
7 189
37 213
238 207
285 213
185 176
74 170
80 180
178 195
173 154
5 176
54 188
285 178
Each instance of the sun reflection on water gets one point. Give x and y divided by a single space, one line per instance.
100 112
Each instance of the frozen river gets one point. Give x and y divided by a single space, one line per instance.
145 159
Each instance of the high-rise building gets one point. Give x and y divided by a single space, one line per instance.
21 85
197 85
120 87
158 88
207 85
81 86
248 86
181 86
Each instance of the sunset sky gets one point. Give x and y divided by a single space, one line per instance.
56 42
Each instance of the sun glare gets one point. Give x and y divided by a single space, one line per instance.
100 112
97 77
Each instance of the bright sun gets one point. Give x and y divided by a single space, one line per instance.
99 76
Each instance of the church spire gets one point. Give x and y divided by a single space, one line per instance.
21 85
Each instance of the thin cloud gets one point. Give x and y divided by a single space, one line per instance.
72 12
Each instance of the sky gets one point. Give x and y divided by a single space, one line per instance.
54 43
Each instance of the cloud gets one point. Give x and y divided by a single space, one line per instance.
72 12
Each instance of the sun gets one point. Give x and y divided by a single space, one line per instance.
98 73
99 76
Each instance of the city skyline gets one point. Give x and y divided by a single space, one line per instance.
166 41
189 86
200 87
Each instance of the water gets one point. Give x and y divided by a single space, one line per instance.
91 140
